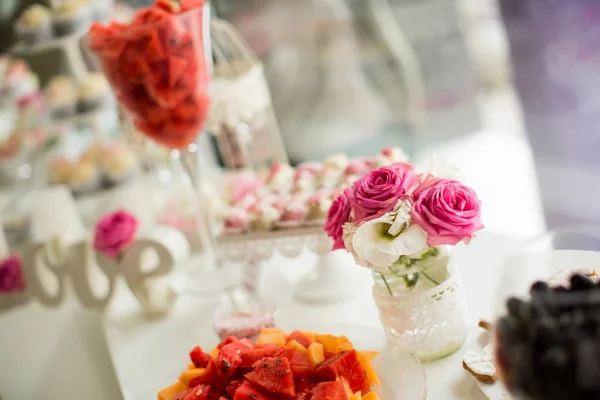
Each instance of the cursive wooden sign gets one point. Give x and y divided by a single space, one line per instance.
93 276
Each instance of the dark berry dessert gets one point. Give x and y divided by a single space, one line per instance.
549 345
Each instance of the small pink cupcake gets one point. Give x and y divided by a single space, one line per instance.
359 167
237 221
390 155
305 185
318 207
280 177
264 217
307 169
337 161
294 215
244 186
329 177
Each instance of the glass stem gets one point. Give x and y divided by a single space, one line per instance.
387 285
430 278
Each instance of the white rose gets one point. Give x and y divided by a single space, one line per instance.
373 243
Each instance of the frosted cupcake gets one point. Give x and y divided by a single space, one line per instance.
307 170
337 161
329 177
359 167
118 163
237 221
93 154
84 178
293 215
94 93
59 172
318 207
390 155
280 177
61 97
264 218
71 17
34 25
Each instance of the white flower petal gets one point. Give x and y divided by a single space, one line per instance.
411 241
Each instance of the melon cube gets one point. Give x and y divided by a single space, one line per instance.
330 343
297 346
369 355
269 331
316 353
310 335
356 396
170 392
277 339
347 389
188 375
369 370
214 353
371 396
191 366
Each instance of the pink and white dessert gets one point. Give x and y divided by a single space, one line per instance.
337 161
307 170
61 96
236 221
390 155
329 177
318 207
264 217
359 167
243 324
34 25
293 215
118 163
280 177
84 178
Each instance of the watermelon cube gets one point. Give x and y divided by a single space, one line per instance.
301 365
199 358
344 365
200 392
273 375
230 357
247 391
329 391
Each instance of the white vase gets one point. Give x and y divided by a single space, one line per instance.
430 319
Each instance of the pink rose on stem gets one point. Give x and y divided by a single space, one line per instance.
378 192
447 210
115 232
11 275
338 215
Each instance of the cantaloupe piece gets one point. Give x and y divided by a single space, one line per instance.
310 335
369 370
369 355
298 346
170 392
191 366
330 343
271 338
371 396
214 353
316 353
187 376
356 396
270 331
346 387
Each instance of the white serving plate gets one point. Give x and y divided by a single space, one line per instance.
149 355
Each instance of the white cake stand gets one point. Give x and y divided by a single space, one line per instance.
323 284
68 44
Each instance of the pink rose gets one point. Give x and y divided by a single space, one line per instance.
379 191
447 210
115 232
11 275
338 215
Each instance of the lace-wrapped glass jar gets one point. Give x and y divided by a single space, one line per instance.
423 305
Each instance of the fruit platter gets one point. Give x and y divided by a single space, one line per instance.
300 365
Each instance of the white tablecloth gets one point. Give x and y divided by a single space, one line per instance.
61 354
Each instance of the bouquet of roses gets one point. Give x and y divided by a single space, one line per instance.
398 222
